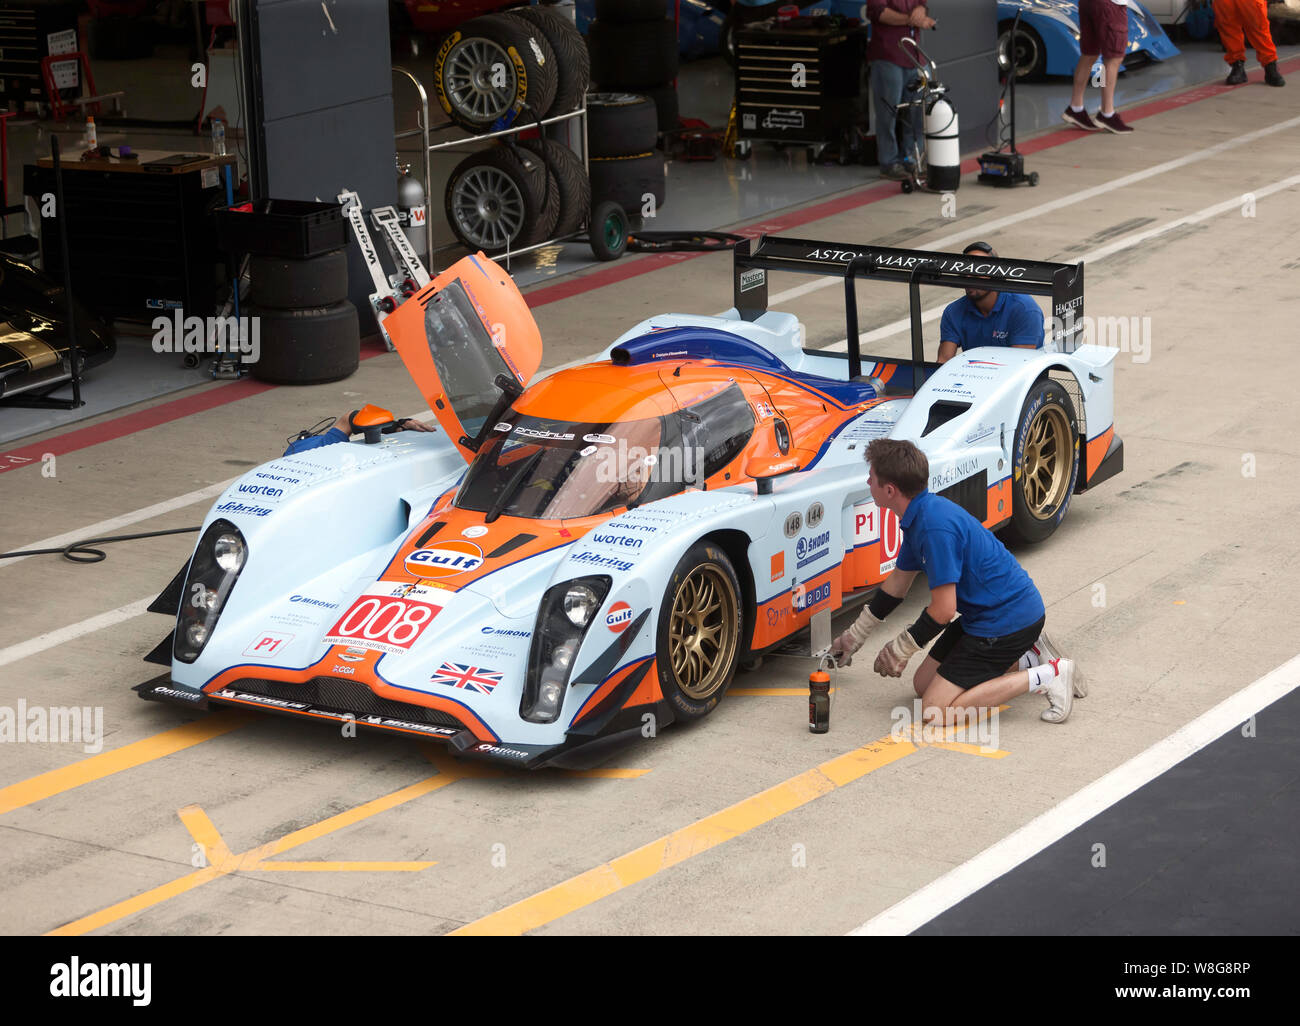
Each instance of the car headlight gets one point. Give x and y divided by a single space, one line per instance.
218 559
581 603
230 551
567 611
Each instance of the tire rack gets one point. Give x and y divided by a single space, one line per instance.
424 131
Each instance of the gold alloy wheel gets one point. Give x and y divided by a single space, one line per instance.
1049 455
703 632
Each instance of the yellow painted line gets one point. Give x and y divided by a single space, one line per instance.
353 816
607 774
764 692
701 836
205 832
35 789
968 749
344 867
192 816
137 904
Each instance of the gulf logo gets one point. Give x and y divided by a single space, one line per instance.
446 560
618 617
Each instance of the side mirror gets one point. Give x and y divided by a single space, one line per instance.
764 470
371 420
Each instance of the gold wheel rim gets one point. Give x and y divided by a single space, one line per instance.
1049 455
702 632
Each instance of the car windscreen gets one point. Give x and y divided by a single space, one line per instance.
465 356
554 470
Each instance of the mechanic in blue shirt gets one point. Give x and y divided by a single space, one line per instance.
348 425
970 572
987 318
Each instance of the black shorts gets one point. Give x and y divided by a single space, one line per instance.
967 660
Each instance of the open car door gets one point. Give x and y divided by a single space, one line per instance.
471 345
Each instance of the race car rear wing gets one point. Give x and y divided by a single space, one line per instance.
915 267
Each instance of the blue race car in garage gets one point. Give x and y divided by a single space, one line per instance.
1048 40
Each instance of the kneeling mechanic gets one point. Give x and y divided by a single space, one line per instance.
970 572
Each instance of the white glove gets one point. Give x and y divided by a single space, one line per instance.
892 659
843 647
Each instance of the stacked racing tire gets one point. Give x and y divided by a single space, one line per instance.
634 49
309 331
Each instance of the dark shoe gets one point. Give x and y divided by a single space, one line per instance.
1237 76
1272 76
1114 123
895 171
1079 119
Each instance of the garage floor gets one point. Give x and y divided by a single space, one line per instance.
1165 584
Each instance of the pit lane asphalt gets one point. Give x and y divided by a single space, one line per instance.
1196 561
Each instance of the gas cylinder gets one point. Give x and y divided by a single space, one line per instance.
942 148
411 210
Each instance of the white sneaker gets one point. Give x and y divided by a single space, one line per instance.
1060 693
1048 650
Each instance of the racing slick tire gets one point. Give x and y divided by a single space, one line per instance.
288 283
699 632
633 57
490 68
311 346
620 123
572 60
573 187
667 107
497 198
627 12
629 180
1045 463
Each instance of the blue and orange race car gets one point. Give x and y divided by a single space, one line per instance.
578 555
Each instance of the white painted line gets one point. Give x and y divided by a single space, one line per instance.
105 527
989 227
937 897
933 313
63 635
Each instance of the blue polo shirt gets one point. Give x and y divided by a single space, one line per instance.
1015 320
995 596
330 437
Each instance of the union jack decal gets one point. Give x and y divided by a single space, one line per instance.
471 678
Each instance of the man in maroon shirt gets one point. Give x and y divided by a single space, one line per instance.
891 72
1103 31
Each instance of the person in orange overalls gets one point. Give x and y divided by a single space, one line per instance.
1237 22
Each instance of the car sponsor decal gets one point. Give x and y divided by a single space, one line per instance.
752 279
266 646
793 524
385 722
814 516
469 678
871 524
474 531
778 566
352 654
389 625
807 599
618 617
446 560
809 550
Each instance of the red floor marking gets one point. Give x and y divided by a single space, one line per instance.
81 438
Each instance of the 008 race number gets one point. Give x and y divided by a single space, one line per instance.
386 624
